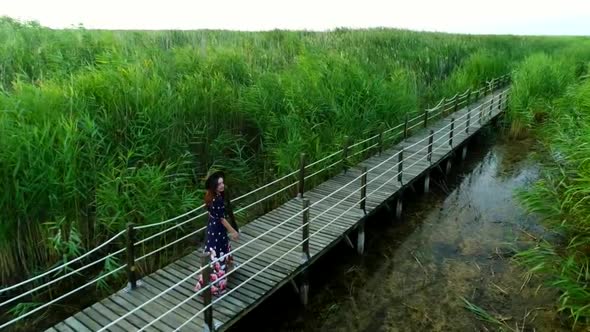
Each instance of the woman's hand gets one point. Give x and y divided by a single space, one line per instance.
234 235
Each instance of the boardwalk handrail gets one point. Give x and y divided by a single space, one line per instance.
266 249
297 245
423 115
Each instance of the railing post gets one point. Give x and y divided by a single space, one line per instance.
381 140
301 174
345 154
364 189
491 106
468 97
131 268
481 112
468 119
406 127
400 165
451 132
425 118
456 103
305 233
430 141
206 275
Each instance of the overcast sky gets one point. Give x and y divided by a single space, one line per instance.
542 17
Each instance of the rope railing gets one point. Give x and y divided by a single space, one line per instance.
268 247
279 241
260 236
64 265
421 116
325 211
45 305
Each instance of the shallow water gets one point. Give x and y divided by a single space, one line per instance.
453 243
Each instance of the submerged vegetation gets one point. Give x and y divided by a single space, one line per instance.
102 128
551 100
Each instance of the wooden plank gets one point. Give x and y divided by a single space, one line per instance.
281 266
98 319
76 325
111 316
277 235
87 321
185 311
120 311
284 230
63 327
129 303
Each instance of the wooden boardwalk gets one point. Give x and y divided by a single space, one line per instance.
331 221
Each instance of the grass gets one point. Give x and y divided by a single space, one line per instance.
552 101
103 128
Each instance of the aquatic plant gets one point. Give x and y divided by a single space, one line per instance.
562 195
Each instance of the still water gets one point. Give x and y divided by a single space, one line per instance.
455 243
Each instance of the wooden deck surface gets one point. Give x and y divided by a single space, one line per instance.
343 219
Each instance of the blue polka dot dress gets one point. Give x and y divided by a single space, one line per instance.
217 244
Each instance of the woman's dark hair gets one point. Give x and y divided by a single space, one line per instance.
211 187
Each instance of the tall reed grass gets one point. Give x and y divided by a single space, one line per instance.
549 99
102 128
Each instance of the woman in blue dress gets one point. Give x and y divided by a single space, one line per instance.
217 239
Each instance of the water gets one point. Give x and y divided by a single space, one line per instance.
453 243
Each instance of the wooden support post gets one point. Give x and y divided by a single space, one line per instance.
345 154
399 206
348 242
364 190
206 275
448 166
301 174
468 120
305 233
360 237
304 288
425 118
451 131
400 165
427 182
430 141
131 268
464 152
406 127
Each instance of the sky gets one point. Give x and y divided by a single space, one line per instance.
523 17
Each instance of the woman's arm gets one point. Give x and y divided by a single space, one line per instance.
232 232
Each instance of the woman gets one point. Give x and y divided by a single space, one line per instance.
218 228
